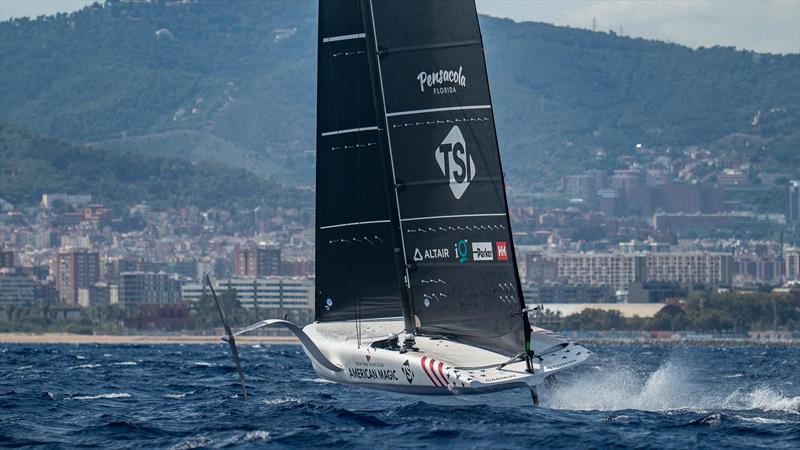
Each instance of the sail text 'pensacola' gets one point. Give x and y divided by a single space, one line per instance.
441 77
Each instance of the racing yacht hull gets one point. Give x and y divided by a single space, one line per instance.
438 367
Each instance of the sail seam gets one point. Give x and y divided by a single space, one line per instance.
349 224
349 130
432 110
455 216
344 37
441 45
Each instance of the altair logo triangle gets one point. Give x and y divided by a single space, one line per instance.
456 163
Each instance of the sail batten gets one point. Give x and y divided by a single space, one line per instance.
433 110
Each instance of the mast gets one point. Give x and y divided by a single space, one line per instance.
373 58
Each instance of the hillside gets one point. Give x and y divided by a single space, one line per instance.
33 165
235 82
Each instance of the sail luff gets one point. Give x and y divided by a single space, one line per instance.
373 58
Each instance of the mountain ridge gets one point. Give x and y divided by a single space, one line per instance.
160 76
34 165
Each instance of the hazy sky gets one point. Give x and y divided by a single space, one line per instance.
761 25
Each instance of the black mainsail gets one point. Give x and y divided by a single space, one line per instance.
445 252
356 265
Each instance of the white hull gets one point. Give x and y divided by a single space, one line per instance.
440 367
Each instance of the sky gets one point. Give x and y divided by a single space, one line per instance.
771 26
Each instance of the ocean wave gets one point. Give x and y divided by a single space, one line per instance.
125 363
203 364
105 396
617 387
669 388
85 366
760 420
177 396
317 380
199 442
251 436
282 401
766 399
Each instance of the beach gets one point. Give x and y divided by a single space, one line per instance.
68 338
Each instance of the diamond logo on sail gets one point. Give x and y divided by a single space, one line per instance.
454 161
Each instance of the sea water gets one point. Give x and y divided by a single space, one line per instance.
187 396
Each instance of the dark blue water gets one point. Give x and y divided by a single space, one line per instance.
182 397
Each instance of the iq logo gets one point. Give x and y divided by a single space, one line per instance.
462 251
502 251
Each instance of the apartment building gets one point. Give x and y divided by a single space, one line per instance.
266 292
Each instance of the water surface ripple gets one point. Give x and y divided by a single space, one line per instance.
187 396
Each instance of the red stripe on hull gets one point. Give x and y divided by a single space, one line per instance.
433 371
424 369
441 372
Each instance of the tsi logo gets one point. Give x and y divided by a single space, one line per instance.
454 161
482 251
408 372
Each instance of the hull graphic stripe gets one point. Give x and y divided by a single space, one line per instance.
350 130
409 219
353 223
433 371
424 369
344 37
432 110
441 372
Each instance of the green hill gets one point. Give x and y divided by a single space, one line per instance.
234 82
33 165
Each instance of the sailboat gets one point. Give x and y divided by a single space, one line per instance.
417 285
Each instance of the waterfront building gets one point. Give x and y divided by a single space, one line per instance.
259 261
147 288
15 289
618 270
267 292
74 269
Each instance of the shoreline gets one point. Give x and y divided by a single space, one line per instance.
110 339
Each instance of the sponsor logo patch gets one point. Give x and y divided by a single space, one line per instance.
455 162
482 251
442 81
408 372
372 374
431 253
502 251
462 251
